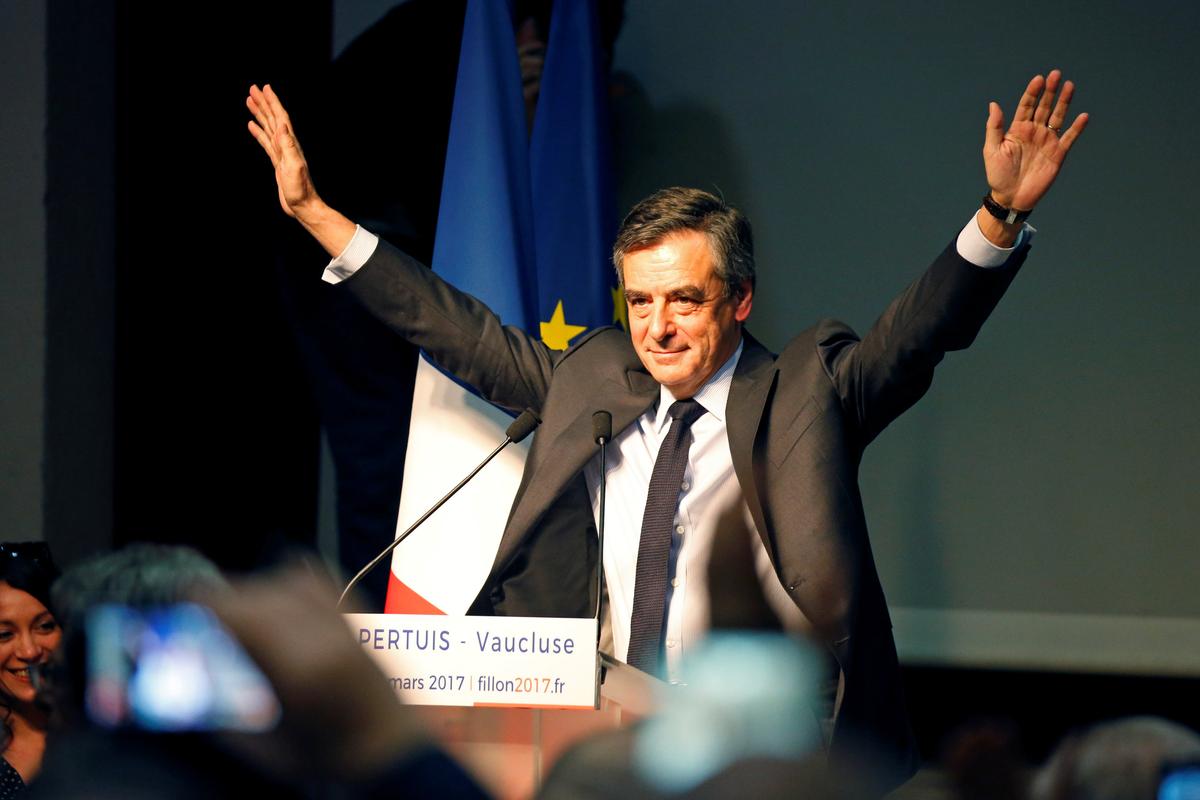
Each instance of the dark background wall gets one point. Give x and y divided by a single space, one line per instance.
154 390
1034 517
23 300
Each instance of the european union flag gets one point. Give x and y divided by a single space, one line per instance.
571 165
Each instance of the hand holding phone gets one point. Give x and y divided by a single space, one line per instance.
173 668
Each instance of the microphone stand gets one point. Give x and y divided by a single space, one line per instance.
602 430
517 431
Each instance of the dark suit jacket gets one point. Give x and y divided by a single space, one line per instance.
797 424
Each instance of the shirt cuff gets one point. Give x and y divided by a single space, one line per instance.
362 247
975 247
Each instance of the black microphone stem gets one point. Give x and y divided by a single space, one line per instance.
600 539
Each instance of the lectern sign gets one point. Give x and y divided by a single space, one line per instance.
483 661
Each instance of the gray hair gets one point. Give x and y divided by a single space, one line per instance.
1119 760
678 209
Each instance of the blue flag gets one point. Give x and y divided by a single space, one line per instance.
484 242
526 226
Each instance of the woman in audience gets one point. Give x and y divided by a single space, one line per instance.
29 633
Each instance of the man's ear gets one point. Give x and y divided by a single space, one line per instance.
744 297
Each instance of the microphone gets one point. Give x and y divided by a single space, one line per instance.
602 427
521 427
602 435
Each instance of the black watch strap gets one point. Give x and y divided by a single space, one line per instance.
1009 216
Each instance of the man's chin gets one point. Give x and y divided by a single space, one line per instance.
664 373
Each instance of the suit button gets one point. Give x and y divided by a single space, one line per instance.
678 529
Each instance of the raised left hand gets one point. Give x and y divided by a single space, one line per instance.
1023 162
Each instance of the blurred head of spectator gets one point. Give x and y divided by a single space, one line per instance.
1120 760
983 761
140 575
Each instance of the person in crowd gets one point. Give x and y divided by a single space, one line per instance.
342 731
29 633
1119 760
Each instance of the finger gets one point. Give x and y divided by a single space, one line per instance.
1060 110
1073 132
259 115
263 140
1029 99
264 107
277 110
288 146
281 142
1042 115
993 133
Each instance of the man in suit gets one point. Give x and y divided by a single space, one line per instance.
782 434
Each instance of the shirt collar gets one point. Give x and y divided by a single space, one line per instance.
713 395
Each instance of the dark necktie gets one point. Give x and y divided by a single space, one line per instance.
650 585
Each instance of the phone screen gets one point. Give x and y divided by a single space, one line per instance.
1180 782
174 668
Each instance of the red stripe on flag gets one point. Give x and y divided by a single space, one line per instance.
403 600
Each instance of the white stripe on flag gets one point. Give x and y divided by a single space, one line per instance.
447 559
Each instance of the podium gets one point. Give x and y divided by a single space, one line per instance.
509 750
506 696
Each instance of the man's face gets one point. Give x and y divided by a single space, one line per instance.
682 324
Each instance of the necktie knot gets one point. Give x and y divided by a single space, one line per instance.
685 411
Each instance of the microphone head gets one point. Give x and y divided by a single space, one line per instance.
523 425
601 427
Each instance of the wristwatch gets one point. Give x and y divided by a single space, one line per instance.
1009 216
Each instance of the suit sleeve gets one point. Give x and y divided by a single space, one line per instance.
891 367
464 337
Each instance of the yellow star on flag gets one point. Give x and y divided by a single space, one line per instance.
556 333
620 310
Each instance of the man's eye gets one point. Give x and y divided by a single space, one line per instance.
47 627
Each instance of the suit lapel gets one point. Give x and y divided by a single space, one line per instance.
563 457
748 394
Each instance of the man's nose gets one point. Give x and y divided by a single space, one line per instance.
662 322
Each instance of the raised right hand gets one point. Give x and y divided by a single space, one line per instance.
272 128
297 195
